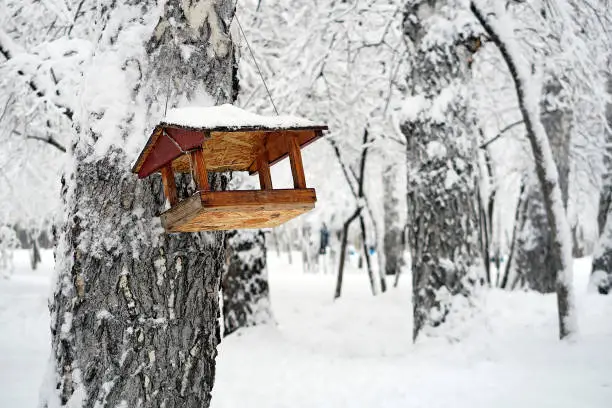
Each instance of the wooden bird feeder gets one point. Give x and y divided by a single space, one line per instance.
226 138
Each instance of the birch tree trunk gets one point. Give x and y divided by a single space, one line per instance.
135 311
246 300
534 245
440 134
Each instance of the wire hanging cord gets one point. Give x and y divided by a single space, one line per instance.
255 61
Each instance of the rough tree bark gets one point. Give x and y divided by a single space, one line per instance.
392 238
601 276
534 250
135 311
442 158
246 299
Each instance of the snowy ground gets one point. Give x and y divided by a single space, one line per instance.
24 331
357 352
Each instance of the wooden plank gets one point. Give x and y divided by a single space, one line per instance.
258 198
225 210
200 174
277 148
260 208
206 221
295 157
263 168
169 184
181 213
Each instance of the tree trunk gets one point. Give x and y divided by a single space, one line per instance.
343 245
579 246
493 230
392 239
246 299
491 247
534 246
35 257
442 159
359 194
519 219
366 255
135 311
601 275
483 235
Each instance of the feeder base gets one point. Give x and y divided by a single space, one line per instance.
228 210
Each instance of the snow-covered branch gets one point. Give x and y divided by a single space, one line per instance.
10 51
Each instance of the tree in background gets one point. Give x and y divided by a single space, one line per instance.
393 229
601 277
499 27
535 253
556 38
340 64
39 67
246 294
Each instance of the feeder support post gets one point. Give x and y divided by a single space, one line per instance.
169 184
200 174
295 156
263 169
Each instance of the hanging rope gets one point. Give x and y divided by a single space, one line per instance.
256 64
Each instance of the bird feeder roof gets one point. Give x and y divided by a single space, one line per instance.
231 139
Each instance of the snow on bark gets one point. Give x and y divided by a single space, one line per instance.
246 298
442 159
601 278
534 251
134 311
528 92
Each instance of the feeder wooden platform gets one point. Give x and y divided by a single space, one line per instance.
195 140
222 210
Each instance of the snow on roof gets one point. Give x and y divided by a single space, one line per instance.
229 116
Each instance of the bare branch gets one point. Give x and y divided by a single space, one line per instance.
49 139
501 133
6 107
